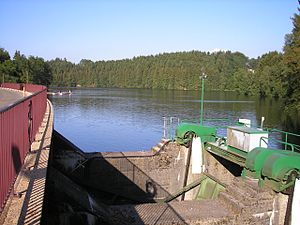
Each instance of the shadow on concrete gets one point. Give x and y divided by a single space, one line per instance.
15 153
84 189
35 171
233 168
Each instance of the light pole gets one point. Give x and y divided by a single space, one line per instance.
202 77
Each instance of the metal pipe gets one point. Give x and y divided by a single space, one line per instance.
187 167
202 77
201 106
164 135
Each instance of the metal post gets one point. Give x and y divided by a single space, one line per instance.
286 139
202 97
170 128
27 77
164 127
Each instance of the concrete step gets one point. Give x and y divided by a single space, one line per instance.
249 184
246 197
187 212
230 202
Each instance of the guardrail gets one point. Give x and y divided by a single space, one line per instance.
284 141
18 125
286 136
286 144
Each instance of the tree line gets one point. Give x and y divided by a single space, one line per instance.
226 71
21 69
273 74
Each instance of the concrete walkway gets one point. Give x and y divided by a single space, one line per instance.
9 97
25 207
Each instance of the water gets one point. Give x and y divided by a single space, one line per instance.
132 119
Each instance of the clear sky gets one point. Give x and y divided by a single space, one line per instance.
112 29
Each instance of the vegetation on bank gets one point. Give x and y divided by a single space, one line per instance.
273 74
24 70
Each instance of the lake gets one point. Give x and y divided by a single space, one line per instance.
132 119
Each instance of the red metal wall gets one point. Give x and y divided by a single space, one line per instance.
18 126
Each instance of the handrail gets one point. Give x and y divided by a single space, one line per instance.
286 135
39 89
282 142
19 124
263 139
196 120
20 101
285 132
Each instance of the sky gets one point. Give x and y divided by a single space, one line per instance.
119 29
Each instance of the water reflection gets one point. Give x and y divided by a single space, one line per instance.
131 119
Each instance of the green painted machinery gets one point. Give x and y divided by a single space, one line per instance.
274 168
185 132
247 147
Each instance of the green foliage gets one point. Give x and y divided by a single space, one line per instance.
20 69
292 62
164 71
39 71
4 55
8 72
269 74
226 71
244 82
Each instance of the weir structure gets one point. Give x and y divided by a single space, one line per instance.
160 186
45 179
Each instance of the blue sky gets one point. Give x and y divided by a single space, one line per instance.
111 29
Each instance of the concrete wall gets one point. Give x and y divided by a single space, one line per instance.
141 176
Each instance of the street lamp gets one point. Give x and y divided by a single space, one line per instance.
202 77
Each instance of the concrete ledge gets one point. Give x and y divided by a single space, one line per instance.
25 204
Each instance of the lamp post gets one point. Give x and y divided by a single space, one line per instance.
202 77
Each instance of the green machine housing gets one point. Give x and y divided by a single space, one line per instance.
185 132
274 168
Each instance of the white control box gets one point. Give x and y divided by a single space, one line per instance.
246 139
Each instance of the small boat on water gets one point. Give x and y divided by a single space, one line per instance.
60 93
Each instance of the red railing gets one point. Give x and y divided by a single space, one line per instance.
18 125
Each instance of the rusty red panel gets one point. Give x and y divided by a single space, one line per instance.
18 126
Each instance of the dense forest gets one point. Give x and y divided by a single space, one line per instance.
225 70
273 74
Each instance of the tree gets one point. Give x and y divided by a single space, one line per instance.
22 68
269 75
4 55
40 72
292 61
244 82
8 72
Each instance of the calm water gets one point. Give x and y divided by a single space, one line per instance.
132 119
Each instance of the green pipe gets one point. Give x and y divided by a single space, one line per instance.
202 99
